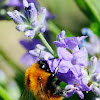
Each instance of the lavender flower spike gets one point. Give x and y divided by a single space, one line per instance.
93 41
27 58
32 21
41 52
69 42
92 65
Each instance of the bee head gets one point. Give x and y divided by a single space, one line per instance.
44 65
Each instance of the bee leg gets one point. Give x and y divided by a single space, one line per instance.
58 82
60 92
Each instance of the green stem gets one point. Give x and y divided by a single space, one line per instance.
4 94
46 43
93 10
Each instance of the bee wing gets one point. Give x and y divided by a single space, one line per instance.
27 95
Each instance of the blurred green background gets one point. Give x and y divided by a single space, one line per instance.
69 17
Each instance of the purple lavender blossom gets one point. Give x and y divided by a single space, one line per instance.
75 84
93 70
73 62
18 3
70 42
29 59
92 77
14 3
98 66
32 22
41 52
94 41
70 72
70 64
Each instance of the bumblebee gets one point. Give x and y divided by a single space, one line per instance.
40 82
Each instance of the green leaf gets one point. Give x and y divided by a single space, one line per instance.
91 8
95 27
3 94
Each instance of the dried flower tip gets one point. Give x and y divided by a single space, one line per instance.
92 65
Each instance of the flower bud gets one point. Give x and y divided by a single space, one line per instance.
96 77
95 89
25 3
41 47
92 65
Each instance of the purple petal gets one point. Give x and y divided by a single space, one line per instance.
60 44
83 86
64 54
80 93
72 42
64 66
22 28
92 65
76 70
48 56
17 17
42 15
86 31
33 1
81 38
29 45
80 54
30 33
32 11
98 67
95 77
41 47
41 54
70 91
50 63
61 36
42 29
82 62
34 23
29 60
66 77
95 89
50 16
53 64
15 3
80 57
25 3
69 87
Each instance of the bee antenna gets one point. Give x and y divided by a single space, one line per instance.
57 68
39 54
